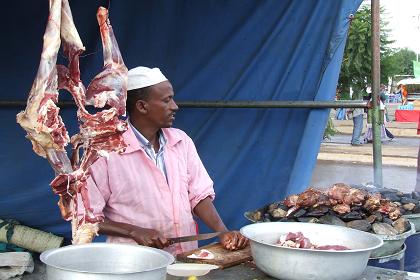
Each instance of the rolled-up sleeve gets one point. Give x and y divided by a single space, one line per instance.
200 184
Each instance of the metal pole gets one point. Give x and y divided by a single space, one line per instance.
376 70
272 104
232 104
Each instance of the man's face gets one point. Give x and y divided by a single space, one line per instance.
161 106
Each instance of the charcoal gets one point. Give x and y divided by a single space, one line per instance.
383 228
351 216
409 206
407 200
387 220
317 211
272 206
308 220
356 208
299 213
406 195
391 196
282 206
277 213
415 195
401 225
379 216
362 225
256 215
371 219
331 220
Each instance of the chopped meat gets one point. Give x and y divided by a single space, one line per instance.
295 240
202 254
355 196
308 198
390 208
373 202
338 192
341 208
291 200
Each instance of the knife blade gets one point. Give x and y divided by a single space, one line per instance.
202 236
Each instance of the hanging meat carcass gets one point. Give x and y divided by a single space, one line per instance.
99 133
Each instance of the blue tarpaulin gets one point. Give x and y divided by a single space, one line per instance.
210 50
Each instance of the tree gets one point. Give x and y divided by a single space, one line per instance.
357 60
398 62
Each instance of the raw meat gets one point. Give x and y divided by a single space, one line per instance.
202 254
100 133
298 240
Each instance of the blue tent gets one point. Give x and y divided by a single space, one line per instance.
210 50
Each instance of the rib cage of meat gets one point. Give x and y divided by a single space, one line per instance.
99 134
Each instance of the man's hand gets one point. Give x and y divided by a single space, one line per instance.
143 236
233 240
149 237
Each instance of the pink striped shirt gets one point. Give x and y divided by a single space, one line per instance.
130 188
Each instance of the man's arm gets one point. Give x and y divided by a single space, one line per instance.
143 236
206 211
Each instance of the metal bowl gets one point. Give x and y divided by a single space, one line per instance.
415 219
305 264
106 261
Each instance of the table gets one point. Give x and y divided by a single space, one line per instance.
249 272
407 115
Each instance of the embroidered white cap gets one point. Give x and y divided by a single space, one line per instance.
141 77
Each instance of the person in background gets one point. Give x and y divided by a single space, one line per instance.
357 116
404 94
340 113
154 189
386 135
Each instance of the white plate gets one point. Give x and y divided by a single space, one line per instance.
190 269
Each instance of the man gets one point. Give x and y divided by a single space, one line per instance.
357 121
151 191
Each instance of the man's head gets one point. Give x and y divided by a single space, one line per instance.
150 97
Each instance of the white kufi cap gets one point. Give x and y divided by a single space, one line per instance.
141 77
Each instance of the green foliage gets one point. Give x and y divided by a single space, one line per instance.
329 130
357 60
397 62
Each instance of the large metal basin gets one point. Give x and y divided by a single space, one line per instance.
306 264
106 261
415 219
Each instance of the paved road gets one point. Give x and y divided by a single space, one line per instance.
328 172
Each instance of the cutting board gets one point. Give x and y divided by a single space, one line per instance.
222 257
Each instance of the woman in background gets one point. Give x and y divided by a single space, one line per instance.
386 135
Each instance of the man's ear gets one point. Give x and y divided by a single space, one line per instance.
142 106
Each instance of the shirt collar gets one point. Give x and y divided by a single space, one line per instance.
143 140
133 144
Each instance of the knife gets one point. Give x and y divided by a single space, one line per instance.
203 236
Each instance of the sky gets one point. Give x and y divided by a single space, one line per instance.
403 17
